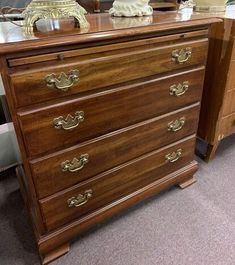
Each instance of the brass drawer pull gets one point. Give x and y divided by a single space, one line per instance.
173 157
179 90
176 125
181 56
69 122
62 82
80 200
76 164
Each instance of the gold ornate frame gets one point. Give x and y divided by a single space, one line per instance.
54 9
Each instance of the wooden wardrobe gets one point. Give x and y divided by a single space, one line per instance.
217 119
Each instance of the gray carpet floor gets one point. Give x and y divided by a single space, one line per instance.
195 226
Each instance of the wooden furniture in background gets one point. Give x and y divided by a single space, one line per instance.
164 5
217 119
93 6
104 119
96 6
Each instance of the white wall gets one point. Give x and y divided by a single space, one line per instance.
9 150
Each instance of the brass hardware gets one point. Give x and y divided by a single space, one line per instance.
63 82
173 157
176 125
181 56
69 122
80 200
54 9
76 164
180 89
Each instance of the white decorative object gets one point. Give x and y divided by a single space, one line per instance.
131 8
187 4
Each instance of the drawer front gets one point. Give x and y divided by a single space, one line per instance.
73 122
114 184
81 75
229 103
60 171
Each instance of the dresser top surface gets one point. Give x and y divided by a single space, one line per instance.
102 27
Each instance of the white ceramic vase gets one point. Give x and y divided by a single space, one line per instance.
131 8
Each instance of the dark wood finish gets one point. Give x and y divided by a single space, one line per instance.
2 112
99 70
49 242
111 150
102 28
106 117
135 45
96 6
122 116
217 119
114 184
187 183
55 253
164 4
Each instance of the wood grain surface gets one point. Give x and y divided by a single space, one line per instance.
116 183
104 69
126 75
111 150
106 112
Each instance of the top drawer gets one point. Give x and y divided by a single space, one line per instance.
108 66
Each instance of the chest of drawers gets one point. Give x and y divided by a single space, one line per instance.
217 119
104 119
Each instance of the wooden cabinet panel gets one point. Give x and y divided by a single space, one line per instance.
218 99
101 70
114 184
228 125
111 150
107 112
233 49
231 77
229 106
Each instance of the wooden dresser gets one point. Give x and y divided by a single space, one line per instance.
104 118
217 119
